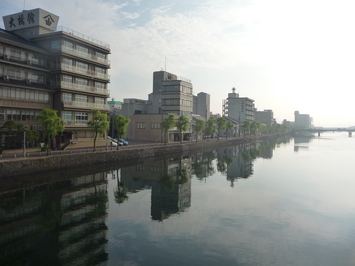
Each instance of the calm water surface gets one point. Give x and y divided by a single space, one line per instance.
289 202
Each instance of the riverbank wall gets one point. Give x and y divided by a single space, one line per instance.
119 157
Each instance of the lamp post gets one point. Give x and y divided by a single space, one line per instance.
24 141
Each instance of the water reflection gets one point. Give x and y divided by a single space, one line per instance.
64 221
60 223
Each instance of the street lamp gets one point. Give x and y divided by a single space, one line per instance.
24 141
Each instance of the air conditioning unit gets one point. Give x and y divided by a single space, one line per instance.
29 62
6 77
28 81
6 57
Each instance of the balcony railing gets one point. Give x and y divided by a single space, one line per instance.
80 70
85 105
75 86
76 123
83 54
83 36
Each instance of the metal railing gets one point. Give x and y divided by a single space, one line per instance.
83 36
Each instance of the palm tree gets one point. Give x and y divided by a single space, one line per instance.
229 127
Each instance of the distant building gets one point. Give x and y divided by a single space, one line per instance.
265 117
302 121
201 105
45 66
115 107
238 108
171 95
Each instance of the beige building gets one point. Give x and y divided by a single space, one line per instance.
45 66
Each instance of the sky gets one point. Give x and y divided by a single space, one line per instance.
286 55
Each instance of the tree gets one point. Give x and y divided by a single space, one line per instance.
246 127
121 124
99 124
51 123
167 124
229 127
199 127
221 124
254 127
13 134
210 126
182 125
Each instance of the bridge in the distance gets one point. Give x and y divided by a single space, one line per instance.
320 130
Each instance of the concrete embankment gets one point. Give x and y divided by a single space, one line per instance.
119 157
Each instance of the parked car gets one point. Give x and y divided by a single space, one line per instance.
124 142
115 142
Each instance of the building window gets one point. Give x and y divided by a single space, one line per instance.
55 45
68 45
67 115
82 50
81 81
81 98
67 78
2 115
155 125
99 100
81 118
67 96
100 85
141 125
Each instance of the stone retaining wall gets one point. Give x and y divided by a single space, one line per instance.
58 162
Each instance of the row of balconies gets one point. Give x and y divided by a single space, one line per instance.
85 55
75 86
85 105
79 70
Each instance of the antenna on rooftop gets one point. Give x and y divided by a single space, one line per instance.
165 62
24 4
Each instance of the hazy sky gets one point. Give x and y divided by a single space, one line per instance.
287 55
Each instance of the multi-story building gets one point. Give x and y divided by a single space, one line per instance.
201 105
302 121
238 108
64 69
171 95
265 117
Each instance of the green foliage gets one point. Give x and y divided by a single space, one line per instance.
221 124
13 133
51 123
167 124
199 127
246 127
167 181
120 193
210 126
229 127
121 125
99 124
182 125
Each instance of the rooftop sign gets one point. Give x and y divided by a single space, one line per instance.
31 18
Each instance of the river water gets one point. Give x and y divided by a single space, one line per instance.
282 202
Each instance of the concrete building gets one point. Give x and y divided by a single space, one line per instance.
302 121
201 105
238 108
171 95
265 117
115 107
45 66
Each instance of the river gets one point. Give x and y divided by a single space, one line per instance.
281 202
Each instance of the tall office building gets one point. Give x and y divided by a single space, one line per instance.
238 108
45 66
202 105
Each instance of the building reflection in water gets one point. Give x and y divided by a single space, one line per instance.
169 181
55 223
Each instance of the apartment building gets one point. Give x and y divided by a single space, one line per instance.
265 117
52 67
238 108
201 105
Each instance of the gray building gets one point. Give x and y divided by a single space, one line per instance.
238 108
171 95
265 117
302 121
45 66
201 105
